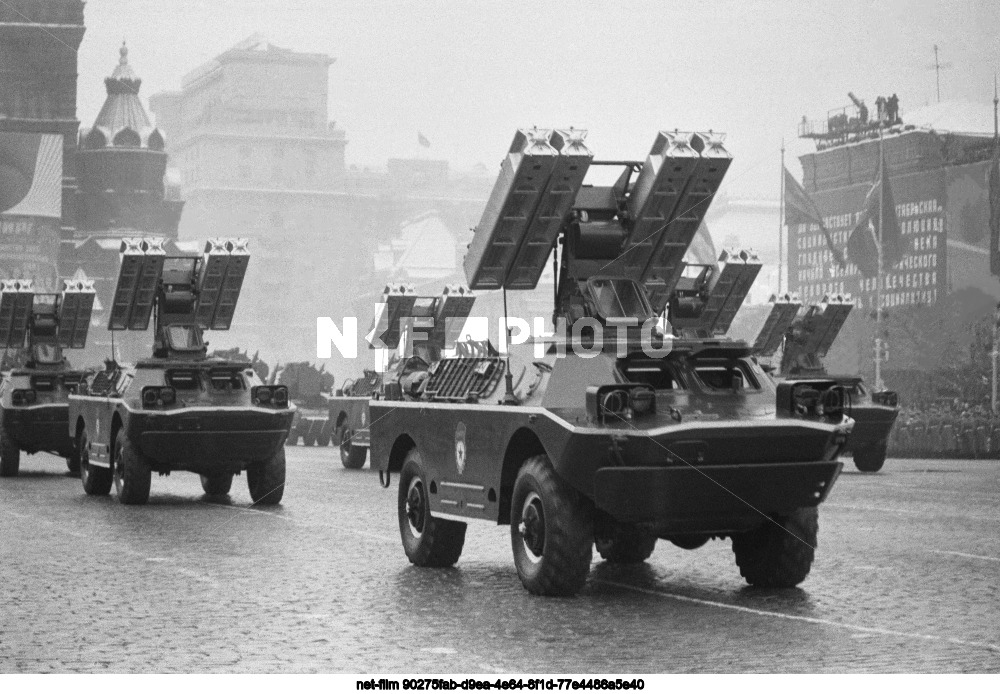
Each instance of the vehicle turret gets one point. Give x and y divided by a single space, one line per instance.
185 294
45 323
622 245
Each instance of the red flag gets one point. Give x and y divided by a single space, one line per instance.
800 209
863 245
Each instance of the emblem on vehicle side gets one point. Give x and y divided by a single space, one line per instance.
363 417
460 447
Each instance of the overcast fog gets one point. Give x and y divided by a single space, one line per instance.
467 74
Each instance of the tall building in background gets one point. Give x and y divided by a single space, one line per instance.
39 40
937 161
260 157
250 134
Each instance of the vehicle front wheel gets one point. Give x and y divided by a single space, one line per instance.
325 432
870 458
266 480
217 485
309 438
96 480
132 472
779 552
10 455
625 544
427 541
551 531
352 457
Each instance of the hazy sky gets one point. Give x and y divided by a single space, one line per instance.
467 74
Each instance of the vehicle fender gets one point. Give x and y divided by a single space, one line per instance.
523 445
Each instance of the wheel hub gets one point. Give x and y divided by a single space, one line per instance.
532 527
416 507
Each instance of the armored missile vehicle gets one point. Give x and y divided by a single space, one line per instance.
34 404
180 409
805 338
608 432
436 322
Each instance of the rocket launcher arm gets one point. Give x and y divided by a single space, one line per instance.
784 309
189 293
705 301
60 320
811 336
441 318
528 207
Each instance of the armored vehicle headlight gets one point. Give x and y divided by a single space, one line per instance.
614 404
168 396
262 395
281 396
149 396
643 401
25 396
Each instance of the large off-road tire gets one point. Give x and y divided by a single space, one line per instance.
352 457
132 472
625 544
309 437
292 439
551 531
427 541
870 458
266 480
778 553
10 455
96 480
217 485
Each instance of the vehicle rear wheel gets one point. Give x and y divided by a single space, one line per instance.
551 531
217 485
132 472
352 457
870 458
427 541
625 544
780 552
292 439
309 438
96 480
10 455
266 480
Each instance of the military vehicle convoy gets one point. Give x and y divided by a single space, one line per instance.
432 324
34 405
806 337
608 433
180 409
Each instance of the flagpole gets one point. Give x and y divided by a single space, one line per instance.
878 278
781 221
996 315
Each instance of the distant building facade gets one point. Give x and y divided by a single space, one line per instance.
938 182
259 157
39 40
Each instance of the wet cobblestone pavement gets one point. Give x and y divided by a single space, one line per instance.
906 579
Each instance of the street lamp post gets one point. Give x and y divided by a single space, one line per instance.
995 353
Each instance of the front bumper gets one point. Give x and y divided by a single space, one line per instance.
209 442
710 499
872 426
40 428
